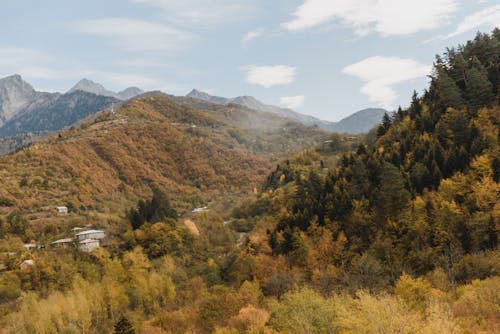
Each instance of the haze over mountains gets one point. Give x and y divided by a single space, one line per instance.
23 110
89 86
359 122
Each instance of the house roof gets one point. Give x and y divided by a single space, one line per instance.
89 232
62 241
88 241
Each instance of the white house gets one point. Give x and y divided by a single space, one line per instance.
90 234
88 245
62 209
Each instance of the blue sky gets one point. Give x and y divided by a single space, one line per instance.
326 58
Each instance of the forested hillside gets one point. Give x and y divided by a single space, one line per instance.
304 231
424 199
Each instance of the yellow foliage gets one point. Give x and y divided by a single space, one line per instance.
249 319
415 292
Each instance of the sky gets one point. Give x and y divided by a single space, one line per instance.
325 58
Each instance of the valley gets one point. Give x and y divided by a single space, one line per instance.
149 212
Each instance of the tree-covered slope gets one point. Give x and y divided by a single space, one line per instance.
397 235
424 197
115 157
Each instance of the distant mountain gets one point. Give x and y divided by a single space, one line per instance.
15 94
90 86
130 93
359 122
253 103
24 110
56 112
196 94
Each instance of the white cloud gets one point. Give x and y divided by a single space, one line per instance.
268 76
35 65
122 80
137 35
39 72
386 17
189 12
29 63
247 37
20 55
381 74
292 102
488 17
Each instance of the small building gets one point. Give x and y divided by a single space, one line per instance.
88 245
90 234
29 246
77 229
196 210
26 264
62 242
62 209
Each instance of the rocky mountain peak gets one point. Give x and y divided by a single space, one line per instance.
15 94
90 86
130 92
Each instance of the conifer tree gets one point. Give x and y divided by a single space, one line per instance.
386 123
124 326
448 92
478 88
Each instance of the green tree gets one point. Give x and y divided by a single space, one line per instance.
305 312
392 194
124 326
478 88
447 90
155 210
384 127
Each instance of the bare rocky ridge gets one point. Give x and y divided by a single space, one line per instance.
15 95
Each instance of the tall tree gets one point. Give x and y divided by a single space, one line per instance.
447 90
478 88
392 194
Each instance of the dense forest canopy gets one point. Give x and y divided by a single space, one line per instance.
426 193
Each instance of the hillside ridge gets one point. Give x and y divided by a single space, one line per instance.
359 122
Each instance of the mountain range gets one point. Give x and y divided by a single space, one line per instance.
25 110
89 86
359 122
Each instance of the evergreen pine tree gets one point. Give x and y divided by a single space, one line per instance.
478 89
386 123
448 92
124 326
